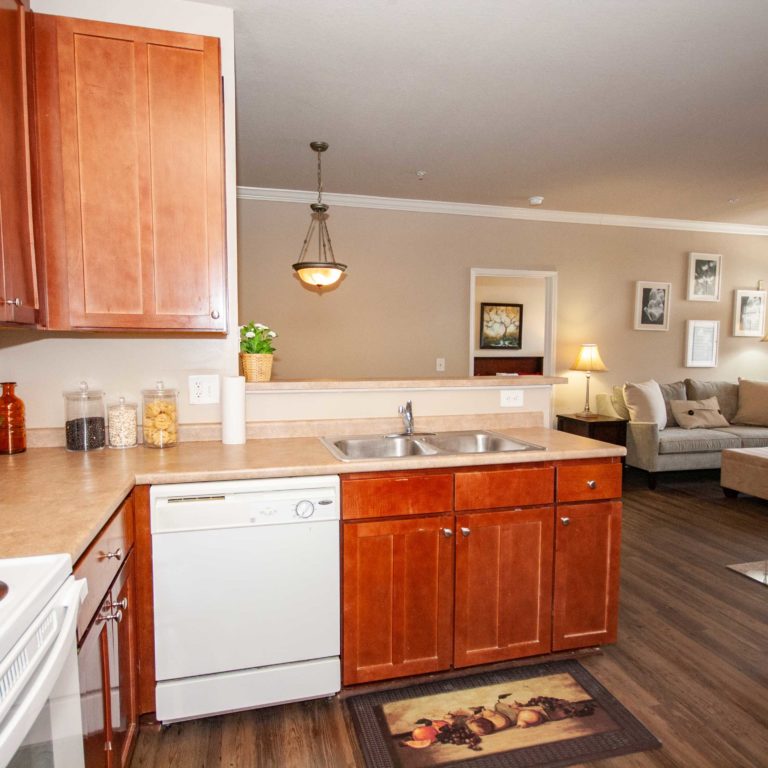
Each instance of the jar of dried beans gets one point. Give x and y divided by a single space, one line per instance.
85 426
122 424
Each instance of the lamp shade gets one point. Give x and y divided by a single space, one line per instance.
319 273
588 359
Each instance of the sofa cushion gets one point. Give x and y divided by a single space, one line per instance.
698 414
753 403
618 402
727 395
645 402
679 440
670 392
751 437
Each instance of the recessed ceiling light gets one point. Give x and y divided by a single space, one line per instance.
536 200
733 200
420 175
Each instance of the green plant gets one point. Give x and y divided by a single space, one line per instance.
256 339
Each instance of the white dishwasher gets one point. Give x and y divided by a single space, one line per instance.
246 593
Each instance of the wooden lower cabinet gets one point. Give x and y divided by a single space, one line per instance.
398 598
503 585
586 588
107 669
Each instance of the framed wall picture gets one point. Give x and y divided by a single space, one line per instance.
652 306
501 326
704 276
702 338
749 313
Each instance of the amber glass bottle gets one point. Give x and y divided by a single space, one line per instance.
13 432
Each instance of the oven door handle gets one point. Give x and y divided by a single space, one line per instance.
14 729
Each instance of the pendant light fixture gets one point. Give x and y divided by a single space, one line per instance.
324 271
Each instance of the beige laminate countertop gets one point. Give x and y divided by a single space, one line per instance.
54 501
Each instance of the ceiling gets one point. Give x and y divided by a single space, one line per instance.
636 107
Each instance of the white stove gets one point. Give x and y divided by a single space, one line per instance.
40 722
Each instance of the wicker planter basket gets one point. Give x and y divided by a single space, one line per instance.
256 367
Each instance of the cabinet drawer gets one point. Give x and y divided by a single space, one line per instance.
588 481
396 495
519 487
102 560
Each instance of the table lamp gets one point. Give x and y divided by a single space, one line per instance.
588 360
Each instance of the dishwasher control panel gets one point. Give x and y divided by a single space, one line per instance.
244 503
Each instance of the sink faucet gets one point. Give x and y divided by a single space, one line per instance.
406 411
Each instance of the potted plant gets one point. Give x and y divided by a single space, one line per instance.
256 351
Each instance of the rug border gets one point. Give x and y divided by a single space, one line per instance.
376 748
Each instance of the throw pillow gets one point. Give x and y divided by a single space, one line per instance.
645 402
726 392
674 391
618 402
753 403
698 414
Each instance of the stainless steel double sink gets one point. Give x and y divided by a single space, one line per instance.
361 447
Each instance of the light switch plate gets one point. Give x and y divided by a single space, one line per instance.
204 389
511 398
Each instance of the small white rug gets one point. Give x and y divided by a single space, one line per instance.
757 571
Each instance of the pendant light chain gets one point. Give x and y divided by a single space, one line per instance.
319 179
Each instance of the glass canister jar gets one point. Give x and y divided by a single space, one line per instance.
13 431
159 423
85 425
122 424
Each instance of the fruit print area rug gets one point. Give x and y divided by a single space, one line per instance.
542 716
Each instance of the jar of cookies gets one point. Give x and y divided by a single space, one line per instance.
159 416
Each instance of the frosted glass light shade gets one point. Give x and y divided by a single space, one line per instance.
319 273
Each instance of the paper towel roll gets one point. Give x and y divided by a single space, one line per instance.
233 410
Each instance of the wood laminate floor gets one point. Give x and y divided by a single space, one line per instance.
691 662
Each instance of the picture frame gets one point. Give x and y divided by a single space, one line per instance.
701 342
704 276
501 326
652 306
749 313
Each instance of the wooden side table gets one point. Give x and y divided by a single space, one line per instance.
605 428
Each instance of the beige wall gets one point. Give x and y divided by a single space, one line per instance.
405 299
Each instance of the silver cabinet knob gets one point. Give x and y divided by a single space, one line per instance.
14 302
565 520
114 616
215 314
465 531
592 484
447 532
117 554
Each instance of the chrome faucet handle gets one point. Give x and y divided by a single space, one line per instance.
406 411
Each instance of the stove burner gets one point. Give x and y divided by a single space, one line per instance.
3 589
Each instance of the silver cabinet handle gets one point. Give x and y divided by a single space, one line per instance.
465 531
13 302
119 604
116 616
447 532
117 554
215 314
592 484
565 520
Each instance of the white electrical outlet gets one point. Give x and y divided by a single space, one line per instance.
440 364
511 398
204 390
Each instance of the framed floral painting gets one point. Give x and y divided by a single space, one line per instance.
749 313
652 306
704 276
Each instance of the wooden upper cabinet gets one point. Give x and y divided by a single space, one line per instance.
18 280
131 177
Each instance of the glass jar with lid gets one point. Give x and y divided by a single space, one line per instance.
85 426
122 424
159 416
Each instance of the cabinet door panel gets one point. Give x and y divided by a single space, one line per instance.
396 494
17 263
504 488
586 590
138 231
122 665
397 593
503 585
93 667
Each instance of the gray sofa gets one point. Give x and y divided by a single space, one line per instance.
672 448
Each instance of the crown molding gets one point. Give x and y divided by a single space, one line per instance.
498 211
